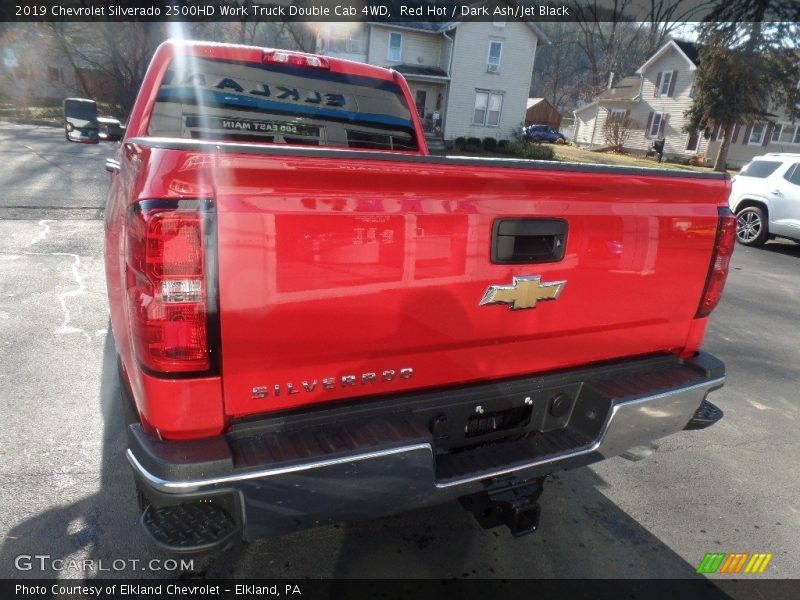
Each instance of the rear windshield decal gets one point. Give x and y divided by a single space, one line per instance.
199 96
236 124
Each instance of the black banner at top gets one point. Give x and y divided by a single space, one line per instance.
390 11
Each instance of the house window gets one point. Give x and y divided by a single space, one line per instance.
691 91
495 107
420 100
53 74
777 132
493 60
666 80
757 134
617 115
693 142
655 125
347 39
395 46
488 106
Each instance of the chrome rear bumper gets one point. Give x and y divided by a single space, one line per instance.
388 455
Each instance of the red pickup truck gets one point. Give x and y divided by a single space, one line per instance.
317 321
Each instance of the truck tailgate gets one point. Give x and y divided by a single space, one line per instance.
346 276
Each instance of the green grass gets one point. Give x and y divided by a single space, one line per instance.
46 113
576 154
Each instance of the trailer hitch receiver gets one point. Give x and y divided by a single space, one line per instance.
516 506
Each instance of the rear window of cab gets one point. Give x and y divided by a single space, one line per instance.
223 100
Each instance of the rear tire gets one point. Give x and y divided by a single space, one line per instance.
751 226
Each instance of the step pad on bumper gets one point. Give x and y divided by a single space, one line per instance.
190 527
705 416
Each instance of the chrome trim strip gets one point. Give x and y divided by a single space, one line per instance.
167 486
627 408
282 150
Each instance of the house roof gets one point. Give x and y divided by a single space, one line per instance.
625 89
584 107
533 102
420 26
686 49
691 50
407 69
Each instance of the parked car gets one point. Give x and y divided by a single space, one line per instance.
765 196
543 133
110 129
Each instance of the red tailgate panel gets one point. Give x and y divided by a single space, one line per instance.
332 270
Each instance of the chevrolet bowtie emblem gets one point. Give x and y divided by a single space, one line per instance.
524 292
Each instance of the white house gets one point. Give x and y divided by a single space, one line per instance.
658 96
34 76
655 99
469 78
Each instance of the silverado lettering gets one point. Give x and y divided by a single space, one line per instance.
387 376
254 238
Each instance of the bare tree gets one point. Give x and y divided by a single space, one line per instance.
560 70
616 36
608 40
663 17
64 43
110 65
618 129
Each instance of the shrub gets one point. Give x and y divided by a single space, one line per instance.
531 151
473 145
518 134
502 146
460 143
489 144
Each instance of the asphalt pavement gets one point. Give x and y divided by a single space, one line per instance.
67 493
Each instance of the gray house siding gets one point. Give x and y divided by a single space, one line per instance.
470 75
754 139
417 47
654 104
461 55
672 106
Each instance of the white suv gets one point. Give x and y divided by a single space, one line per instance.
766 199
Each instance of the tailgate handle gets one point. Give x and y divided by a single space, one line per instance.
528 241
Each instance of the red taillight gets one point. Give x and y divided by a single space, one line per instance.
167 284
720 262
296 59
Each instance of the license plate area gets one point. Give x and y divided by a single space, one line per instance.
502 420
484 419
